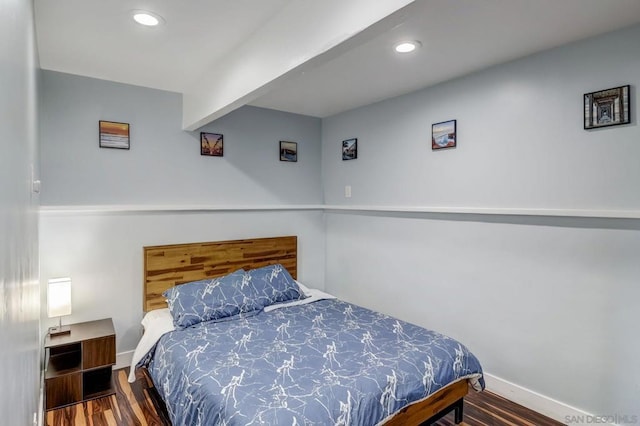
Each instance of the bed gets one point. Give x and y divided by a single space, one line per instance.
305 359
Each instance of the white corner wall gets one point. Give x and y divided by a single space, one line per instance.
100 206
547 303
20 342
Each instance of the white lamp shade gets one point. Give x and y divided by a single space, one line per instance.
59 297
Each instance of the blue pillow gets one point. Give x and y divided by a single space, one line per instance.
237 294
273 284
212 299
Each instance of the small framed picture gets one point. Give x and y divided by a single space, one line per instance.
443 135
113 134
608 107
211 144
288 151
350 149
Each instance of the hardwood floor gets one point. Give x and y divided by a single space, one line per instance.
486 408
134 405
131 405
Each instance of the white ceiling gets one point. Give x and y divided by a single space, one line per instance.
97 38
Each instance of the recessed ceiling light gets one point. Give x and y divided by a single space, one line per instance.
147 19
407 46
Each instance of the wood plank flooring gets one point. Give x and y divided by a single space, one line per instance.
134 405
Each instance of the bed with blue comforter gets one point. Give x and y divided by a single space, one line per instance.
322 363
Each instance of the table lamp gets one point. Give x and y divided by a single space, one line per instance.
59 303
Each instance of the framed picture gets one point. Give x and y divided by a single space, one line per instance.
443 135
350 149
211 144
288 151
608 107
113 134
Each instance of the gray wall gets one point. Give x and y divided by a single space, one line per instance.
164 165
19 291
547 303
520 131
101 249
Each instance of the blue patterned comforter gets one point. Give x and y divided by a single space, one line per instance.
324 363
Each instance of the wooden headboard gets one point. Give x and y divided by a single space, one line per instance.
171 265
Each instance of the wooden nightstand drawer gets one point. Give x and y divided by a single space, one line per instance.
98 352
64 390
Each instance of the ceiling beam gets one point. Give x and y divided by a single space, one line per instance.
301 34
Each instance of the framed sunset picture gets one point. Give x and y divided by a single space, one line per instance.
211 144
113 134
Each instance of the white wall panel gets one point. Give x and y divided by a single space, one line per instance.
20 343
548 304
102 253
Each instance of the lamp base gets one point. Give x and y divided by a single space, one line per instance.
57 331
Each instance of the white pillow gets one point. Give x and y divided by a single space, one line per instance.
154 317
156 323
305 289
311 295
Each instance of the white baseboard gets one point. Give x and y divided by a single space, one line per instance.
123 359
550 407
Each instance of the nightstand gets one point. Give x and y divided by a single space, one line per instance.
79 365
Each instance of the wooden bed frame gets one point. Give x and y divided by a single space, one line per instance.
170 265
